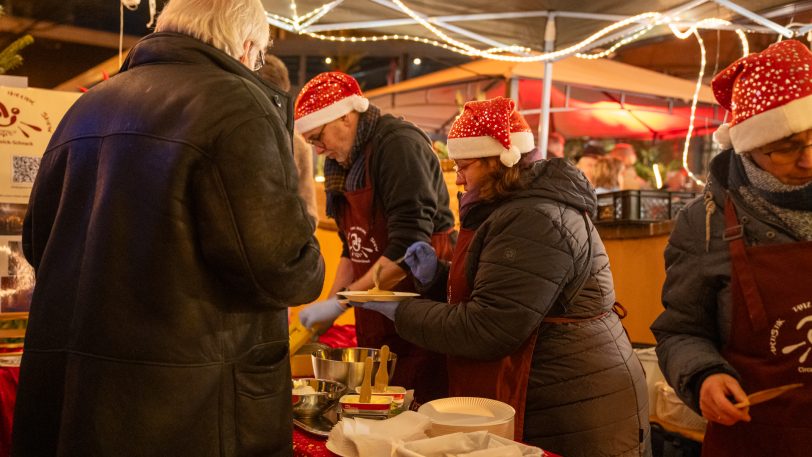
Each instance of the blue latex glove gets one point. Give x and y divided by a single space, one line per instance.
387 308
422 260
321 313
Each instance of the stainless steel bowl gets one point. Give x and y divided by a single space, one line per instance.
315 404
346 365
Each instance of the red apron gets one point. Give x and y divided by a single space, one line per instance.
504 379
364 225
770 345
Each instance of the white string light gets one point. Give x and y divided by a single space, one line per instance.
658 178
693 30
613 48
693 110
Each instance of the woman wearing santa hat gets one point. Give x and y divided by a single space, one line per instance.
737 293
526 312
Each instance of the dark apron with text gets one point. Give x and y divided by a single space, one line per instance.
504 379
364 226
770 345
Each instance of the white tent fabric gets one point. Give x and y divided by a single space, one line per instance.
432 100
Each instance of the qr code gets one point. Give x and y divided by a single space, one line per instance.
25 169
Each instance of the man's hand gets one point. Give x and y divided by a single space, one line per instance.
714 399
321 313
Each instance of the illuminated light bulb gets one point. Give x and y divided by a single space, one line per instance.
328 60
657 177
417 61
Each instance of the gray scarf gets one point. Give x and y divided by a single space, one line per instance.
791 206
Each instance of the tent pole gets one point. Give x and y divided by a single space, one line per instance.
544 118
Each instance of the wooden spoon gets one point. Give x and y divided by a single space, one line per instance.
376 278
382 376
366 385
768 394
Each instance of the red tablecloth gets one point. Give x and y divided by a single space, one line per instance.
9 376
340 336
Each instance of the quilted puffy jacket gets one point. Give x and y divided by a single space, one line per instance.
587 392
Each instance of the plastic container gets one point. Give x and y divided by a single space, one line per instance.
648 358
641 205
671 409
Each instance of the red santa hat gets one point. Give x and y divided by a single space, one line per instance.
327 97
490 128
768 95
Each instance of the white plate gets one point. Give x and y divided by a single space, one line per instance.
467 411
363 296
337 451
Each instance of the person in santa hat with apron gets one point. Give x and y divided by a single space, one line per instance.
737 293
386 191
524 310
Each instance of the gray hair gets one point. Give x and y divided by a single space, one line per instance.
224 24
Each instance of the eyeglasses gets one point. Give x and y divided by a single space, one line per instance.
260 61
460 166
785 153
315 140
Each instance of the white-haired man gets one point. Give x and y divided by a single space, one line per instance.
167 237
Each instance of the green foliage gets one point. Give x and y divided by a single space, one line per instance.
10 57
440 149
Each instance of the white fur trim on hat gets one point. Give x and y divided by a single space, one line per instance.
772 125
722 136
332 112
523 141
475 147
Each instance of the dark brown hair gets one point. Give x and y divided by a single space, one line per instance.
275 72
501 181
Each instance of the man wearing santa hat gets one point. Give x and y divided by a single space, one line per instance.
737 294
386 191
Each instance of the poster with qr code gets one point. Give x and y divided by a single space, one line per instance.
24 170
28 118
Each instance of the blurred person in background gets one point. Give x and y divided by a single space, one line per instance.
168 238
555 145
624 152
607 175
588 157
737 318
275 72
677 180
538 335
386 191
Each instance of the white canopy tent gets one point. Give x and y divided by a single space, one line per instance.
650 101
484 23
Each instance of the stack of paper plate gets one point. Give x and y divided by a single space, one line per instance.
469 414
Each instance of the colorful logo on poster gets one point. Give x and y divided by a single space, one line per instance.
19 120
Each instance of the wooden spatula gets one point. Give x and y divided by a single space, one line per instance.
366 385
768 394
382 376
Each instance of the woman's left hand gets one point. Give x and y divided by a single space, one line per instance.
387 308
714 399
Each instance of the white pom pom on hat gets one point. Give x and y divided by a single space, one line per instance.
360 104
510 156
722 136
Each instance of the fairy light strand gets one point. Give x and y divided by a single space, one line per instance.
653 19
694 30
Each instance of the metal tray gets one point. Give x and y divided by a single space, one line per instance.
319 425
